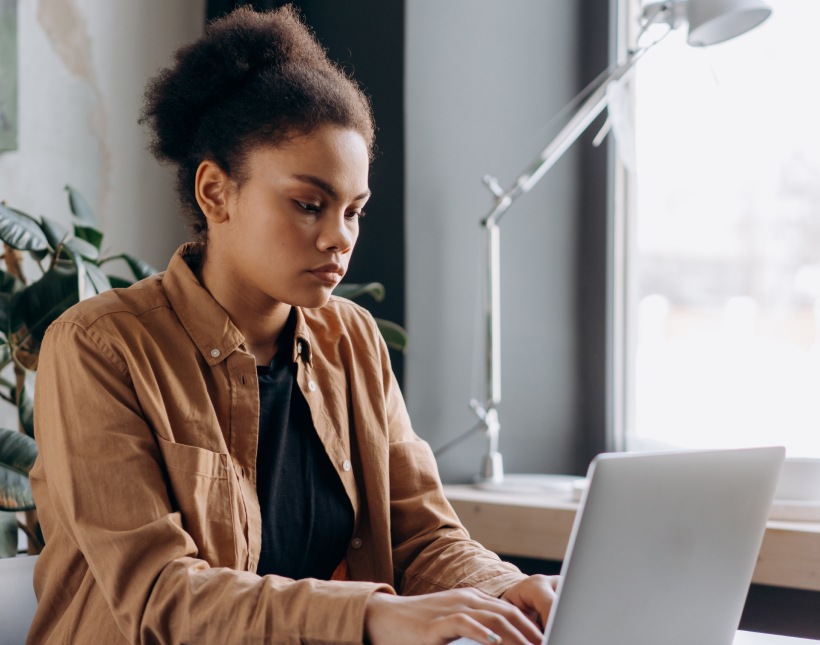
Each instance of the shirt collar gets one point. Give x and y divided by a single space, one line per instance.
206 322
303 339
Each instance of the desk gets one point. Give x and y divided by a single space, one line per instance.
539 525
742 638
750 638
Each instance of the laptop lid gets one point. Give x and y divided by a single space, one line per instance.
663 548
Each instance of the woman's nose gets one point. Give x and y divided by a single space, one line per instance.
336 235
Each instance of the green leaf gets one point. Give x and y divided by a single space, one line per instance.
7 388
40 303
57 234
41 255
21 231
9 283
91 279
90 234
5 314
374 289
25 404
79 206
8 534
119 283
17 455
140 268
394 335
84 289
97 280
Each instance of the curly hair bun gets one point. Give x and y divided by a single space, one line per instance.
254 78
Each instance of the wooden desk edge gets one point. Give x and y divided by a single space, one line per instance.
540 528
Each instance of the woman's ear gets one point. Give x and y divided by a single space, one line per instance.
212 189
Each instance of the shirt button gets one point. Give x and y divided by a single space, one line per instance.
215 353
312 386
356 543
346 465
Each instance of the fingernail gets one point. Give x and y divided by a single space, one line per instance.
493 639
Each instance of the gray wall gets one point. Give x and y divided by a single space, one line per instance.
484 81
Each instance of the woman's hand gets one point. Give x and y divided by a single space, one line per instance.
534 596
438 618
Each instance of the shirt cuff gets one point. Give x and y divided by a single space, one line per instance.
495 585
341 610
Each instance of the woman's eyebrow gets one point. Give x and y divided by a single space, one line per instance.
323 185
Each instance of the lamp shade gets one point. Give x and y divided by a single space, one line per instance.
713 21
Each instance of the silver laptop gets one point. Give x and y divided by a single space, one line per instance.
663 548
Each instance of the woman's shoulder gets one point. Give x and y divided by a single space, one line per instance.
343 312
108 306
342 319
346 308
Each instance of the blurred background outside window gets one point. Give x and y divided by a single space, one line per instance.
723 240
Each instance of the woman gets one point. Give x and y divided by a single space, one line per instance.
224 454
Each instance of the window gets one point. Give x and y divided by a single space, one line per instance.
722 241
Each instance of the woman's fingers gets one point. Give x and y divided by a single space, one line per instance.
503 621
463 625
535 594
481 626
439 618
501 615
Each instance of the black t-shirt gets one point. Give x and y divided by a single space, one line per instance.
307 519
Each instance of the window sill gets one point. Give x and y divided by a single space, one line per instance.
539 527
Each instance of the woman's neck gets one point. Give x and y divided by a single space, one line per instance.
261 323
262 333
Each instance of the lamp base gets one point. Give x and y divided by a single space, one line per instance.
568 486
492 468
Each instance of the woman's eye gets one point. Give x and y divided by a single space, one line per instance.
308 207
355 214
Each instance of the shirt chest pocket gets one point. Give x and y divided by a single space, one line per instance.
200 489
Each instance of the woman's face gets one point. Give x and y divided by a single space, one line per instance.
292 224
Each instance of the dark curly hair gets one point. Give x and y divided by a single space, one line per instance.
253 79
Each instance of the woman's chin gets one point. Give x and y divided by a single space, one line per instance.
313 300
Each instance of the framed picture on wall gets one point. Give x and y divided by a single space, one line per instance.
8 75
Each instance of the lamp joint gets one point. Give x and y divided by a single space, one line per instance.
492 183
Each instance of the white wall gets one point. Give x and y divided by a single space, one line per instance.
484 80
83 65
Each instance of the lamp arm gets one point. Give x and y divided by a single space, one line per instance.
579 122
492 468
556 148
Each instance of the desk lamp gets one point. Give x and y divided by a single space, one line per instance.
710 22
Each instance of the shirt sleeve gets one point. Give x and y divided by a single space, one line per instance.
432 551
107 489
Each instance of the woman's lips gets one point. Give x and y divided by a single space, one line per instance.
331 277
329 273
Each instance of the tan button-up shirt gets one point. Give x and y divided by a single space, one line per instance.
146 417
